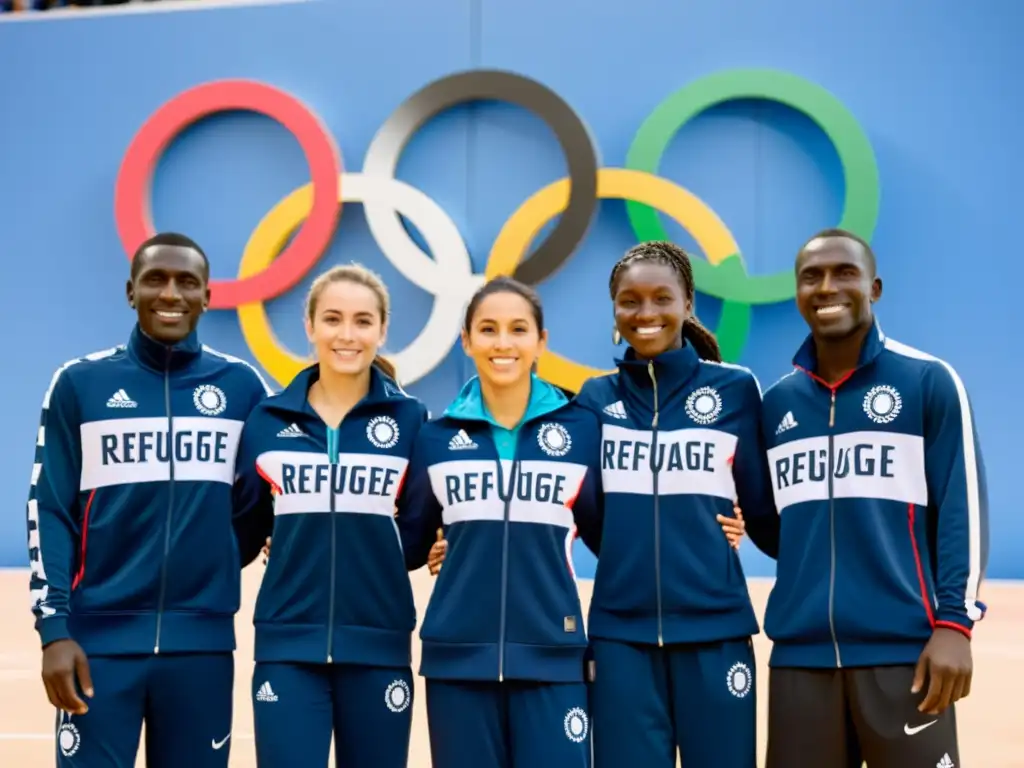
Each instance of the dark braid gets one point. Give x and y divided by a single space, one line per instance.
671 255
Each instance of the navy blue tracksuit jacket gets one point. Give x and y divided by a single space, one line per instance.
505 605
880 483
336 587
129 514
680 441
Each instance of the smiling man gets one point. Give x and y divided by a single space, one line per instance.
135 572
878 476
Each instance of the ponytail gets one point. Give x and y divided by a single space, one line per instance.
702 340
386 367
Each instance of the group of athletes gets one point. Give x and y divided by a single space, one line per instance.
164 467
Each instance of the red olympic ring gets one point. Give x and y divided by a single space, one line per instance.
133 215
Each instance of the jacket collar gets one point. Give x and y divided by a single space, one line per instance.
806 357
294 398
673 369
162 357
469 405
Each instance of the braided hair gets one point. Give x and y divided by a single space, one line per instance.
671 255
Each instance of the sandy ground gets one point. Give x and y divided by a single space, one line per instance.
990 725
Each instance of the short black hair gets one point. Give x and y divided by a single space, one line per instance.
678 260
505 284
848 235
169 238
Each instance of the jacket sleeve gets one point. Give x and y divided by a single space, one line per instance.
53 510
752 475
252 499
588 508
957 493
418 514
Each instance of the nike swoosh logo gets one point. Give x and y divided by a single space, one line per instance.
917 729
221 743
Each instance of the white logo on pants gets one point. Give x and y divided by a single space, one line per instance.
739 679
68 737
576 724
397 696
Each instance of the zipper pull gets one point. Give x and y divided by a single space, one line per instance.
654 383
832 411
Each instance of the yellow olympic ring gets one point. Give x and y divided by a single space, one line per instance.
265 243
522 227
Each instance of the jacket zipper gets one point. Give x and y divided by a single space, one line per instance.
655 466
832 528
504 562
332 437
170 502
832 387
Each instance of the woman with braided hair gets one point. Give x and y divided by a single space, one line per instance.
671 620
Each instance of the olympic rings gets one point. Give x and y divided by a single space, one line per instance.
581 158
449 275
860 209
131 195
450 278
686 208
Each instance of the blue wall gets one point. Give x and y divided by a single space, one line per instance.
933 89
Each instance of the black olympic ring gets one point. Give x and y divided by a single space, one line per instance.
571 132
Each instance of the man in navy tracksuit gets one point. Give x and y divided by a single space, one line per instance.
134 566
335 613
879 480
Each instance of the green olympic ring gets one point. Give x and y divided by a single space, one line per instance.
730 281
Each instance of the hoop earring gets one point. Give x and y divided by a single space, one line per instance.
616 337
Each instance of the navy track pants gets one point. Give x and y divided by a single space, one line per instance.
512 724
297 708
647 702
185 701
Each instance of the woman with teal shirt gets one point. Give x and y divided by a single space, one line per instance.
510 471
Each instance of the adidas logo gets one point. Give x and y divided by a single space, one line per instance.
120 399
945 762
616 410
788 422
266 693
292 430
461 442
